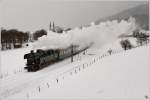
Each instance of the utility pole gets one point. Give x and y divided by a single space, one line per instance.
53 27
50 26
71 53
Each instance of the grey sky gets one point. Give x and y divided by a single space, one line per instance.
31 15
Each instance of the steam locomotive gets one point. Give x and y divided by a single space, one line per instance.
42 58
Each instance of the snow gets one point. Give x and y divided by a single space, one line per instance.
95 75
12 61
107 79
123 75
15 79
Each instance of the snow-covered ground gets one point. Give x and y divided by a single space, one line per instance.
96 75
15 79
12 61
120 76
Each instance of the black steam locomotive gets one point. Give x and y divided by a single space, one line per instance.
42 58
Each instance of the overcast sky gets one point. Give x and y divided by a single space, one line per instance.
31 15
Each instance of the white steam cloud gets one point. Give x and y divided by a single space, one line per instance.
99 35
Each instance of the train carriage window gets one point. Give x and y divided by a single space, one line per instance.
61 52
65 51
52 51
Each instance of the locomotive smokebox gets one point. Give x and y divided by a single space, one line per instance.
32 51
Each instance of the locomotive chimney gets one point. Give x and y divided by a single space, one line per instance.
32 51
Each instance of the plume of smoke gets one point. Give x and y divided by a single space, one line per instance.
99 35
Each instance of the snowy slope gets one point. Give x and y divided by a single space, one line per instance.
12 60
122 75
15 79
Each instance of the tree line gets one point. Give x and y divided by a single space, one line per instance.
141 39
13 38
39 33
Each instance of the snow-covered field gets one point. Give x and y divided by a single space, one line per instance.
15 79
121 76
13 61
96 75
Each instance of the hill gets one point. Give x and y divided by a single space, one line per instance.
123 75
140 13
114 77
